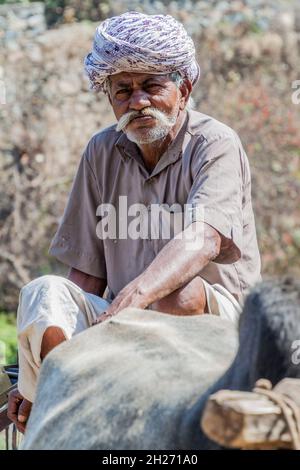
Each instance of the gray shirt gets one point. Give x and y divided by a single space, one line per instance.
205 168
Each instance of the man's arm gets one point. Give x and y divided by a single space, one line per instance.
175 265
88 283
180 261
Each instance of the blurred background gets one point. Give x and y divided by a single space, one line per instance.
249 52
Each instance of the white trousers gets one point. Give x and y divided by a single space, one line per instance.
56 301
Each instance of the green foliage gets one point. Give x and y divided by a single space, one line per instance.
8 336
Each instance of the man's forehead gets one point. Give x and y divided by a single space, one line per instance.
129 77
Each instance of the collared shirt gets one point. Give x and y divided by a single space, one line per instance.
205 169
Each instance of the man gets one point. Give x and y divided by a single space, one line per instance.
159 155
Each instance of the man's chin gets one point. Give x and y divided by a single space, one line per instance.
138 139
148 136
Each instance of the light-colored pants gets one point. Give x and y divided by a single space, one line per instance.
56 301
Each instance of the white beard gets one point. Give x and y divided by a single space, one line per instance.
153 134
158 132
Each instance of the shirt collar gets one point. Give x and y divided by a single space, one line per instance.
129 149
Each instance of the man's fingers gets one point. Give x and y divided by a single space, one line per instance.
24 411
18 409
14 401
98 320
103 317
20 427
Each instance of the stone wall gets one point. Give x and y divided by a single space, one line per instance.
17 20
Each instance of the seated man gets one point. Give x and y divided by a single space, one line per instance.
161 158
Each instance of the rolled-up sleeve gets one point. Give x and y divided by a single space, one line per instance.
216 194
76 243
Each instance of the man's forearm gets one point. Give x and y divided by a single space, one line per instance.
176 264
179 261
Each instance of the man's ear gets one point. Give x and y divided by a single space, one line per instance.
185 89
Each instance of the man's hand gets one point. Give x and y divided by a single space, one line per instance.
18 409
130 296
178 263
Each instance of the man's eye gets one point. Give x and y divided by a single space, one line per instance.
153 86
122 92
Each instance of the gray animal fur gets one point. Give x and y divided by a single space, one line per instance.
141 380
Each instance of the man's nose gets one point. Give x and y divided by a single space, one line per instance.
139 100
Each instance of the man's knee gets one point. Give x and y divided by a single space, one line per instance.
38 294
48 281
192 296
189 299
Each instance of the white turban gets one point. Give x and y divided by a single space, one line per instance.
134 42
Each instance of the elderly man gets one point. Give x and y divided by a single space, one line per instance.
160 155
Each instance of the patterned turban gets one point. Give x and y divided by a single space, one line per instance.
134 42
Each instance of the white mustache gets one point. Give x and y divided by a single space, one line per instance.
153 112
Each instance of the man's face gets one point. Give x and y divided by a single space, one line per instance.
146 105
